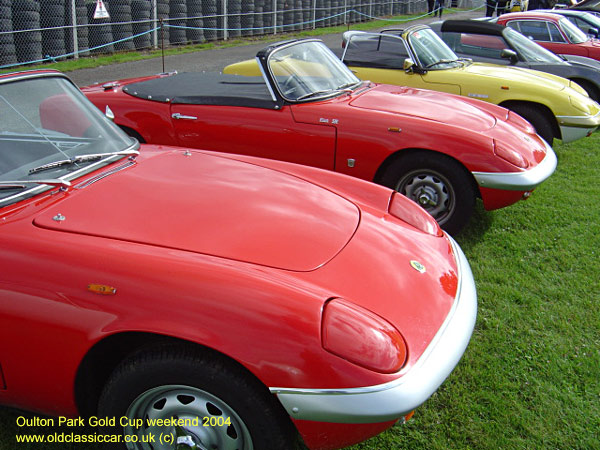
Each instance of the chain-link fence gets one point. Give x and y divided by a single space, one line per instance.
45 30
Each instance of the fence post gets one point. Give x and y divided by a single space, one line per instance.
274 16
225 21
75 37
155 22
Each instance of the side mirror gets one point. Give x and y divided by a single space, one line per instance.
409 65
108 113
510 55
593 32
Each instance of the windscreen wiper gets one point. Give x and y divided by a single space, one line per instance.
22 184
81 159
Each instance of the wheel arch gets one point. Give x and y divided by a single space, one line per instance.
543 109
133 133
101 360
398 155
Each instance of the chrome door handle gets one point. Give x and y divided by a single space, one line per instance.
181 116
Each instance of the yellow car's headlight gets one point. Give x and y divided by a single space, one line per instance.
578 88
581 103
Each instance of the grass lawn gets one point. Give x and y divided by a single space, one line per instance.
530 378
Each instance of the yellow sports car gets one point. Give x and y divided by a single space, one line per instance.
417 57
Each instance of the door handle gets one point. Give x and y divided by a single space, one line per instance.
178 116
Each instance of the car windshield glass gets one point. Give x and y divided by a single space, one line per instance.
574 34
431 51
50 130
309 70
529 50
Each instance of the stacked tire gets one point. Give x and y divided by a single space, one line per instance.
141 11
248 15
267 16
120 16
177 17
209 10
81 21
195 22
100 32
297 14
52 16
162 13
259 22
7 43
234 19
306 13
26 16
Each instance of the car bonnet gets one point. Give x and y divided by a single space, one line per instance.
210 204
430 105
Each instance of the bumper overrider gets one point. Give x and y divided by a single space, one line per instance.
577 127
520 181
395 399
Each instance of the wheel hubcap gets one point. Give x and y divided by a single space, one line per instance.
431 191
191 419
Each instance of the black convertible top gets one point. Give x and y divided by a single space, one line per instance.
471 26
197 88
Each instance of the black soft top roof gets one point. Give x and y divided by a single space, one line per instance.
197 88
471 26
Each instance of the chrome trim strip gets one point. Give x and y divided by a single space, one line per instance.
392 400
520 181
267 82
580 120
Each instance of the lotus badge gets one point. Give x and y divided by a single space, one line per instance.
417 266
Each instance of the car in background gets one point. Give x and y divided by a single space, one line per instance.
586 21
553 32
417 57
592 6
301 104
494 44
211 300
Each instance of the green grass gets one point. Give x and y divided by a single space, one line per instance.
121 57
530 376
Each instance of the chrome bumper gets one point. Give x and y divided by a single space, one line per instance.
577 127
392 400
519 181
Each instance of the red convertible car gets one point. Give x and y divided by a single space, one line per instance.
554 32
210 300
440 150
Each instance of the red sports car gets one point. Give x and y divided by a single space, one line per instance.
554 32
209 300
441 150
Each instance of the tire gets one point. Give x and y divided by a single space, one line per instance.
174 381
438 183
536 117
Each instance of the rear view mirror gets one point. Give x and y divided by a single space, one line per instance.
510 55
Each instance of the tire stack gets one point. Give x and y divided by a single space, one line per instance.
209 11
100 32
258 18
120 16
162 12
297 17
195 33
248 15
52 15
26 16
177 15
82 30
141 11
306 14
267 16
7 43
288 15
234 20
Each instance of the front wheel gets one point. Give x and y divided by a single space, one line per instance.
173 399
437 183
